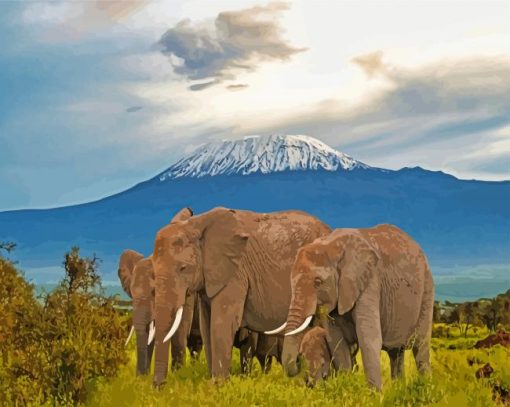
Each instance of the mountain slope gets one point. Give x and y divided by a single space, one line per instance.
261 154
457 222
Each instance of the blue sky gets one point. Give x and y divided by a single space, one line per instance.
96 96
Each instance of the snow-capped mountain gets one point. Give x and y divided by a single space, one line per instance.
262 154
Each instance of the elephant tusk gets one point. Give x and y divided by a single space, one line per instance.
301 328
277 330
152 333
130 335
175 326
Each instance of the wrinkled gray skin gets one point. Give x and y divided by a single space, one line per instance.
377 286
137 278
239 262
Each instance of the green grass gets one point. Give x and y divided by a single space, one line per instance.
452 383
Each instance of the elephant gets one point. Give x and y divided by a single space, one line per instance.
318 347
137 279
315 351
239 263
377 288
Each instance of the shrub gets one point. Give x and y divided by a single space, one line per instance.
57 346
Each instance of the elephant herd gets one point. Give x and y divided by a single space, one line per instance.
280 284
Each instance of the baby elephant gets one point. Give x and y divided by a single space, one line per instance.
315 352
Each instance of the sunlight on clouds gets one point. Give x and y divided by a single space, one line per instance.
392 83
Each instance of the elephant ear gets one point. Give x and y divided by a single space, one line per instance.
182 215
127 262
223 245
356 268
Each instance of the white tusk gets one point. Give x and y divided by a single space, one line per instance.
152 333
277 330
130 335
175 326
301 328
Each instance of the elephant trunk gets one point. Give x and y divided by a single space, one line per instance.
302 305
141 322
290 354
170 298
302 308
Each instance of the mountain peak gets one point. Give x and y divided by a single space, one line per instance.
261 154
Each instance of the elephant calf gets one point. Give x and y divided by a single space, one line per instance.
319 349
316 354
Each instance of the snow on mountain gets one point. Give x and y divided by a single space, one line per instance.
262 154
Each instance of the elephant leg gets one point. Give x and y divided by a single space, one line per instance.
267 347
180 339
226 315
194 338
265 361
246 350
178 350
195 344
205 329
421 352
150 351
339 349
421 345
396 362
354 351
368 330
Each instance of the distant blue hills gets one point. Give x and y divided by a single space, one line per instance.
459 223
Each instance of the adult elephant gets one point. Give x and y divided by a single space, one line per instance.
136 275
239 262
377 287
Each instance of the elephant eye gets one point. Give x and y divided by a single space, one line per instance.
183 267
317 282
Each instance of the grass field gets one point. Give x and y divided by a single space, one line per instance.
452 383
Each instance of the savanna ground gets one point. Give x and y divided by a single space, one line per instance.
452 383
66 347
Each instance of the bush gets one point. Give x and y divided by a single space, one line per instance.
56 347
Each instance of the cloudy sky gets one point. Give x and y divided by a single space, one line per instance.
98 95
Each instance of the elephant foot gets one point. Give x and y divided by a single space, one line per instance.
158 385
219 380
376 388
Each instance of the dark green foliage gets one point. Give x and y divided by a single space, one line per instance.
491 313
53 348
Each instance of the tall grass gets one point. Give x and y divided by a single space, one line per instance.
452 383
